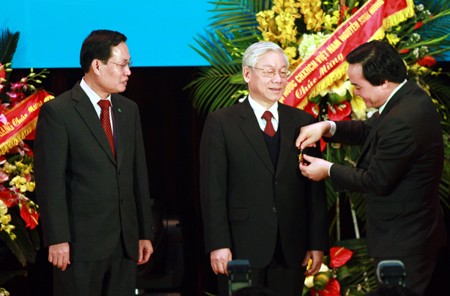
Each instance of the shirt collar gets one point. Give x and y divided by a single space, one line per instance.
92 95
259 109
390 96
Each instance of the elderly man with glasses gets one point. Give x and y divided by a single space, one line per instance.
256 205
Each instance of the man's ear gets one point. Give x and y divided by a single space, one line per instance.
246 73
96 65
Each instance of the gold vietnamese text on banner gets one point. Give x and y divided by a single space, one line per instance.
21 120
327 64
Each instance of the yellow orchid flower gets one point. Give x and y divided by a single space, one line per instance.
392 38
358 107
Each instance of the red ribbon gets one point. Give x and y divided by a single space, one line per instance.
20 121
358 29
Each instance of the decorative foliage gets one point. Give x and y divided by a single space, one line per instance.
18 212
346 271
233 30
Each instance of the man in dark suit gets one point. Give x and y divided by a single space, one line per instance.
93 193
255 203
401 164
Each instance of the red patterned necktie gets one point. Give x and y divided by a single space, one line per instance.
269 130
106 122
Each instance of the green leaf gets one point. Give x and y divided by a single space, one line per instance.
26 244
8 45
234 28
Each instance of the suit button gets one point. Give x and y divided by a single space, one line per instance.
274 209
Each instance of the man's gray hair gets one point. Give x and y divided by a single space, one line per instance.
254 51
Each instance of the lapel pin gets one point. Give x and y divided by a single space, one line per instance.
300 155
118 109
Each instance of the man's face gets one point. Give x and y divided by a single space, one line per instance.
373 96
267 90
114 74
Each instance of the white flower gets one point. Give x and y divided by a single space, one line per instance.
309 281
323 268
309 44
342 89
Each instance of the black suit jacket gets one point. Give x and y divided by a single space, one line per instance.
87 197
246 202
399 172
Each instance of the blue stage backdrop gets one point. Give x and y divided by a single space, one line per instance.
159 32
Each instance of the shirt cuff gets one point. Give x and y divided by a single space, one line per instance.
332 127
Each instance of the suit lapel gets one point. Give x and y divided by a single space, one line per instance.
119 124
284 128
87 112
250 127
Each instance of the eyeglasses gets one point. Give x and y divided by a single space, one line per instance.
270 72
121 66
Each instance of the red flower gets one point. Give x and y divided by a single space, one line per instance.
427 61
8 197
339 111
29 215
418 25
4 108
2 72
403 51
312 108
323 145
333 288
339 256
22 149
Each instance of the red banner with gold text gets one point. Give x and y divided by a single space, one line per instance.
20 121
322 68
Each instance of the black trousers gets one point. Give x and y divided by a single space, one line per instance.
113 276
278 277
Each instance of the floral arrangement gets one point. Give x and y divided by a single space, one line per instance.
420 34
19 214
343 272
16 168
317 19
326 281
